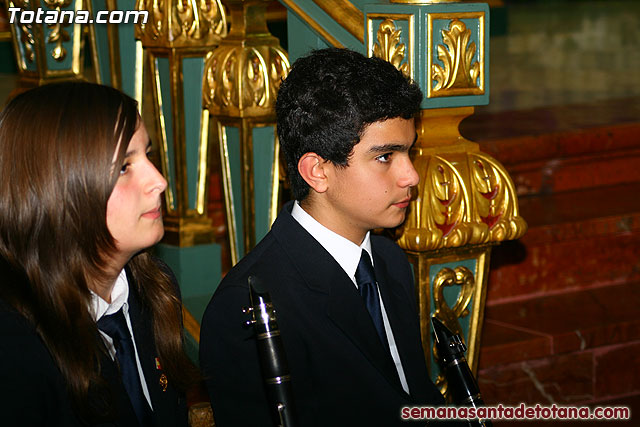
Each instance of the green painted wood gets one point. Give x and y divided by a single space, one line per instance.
192 348
127 46
164 74
263 150
198 270
192 69
302 38
7 59
102 45
420 13
263 138
125 49
235 169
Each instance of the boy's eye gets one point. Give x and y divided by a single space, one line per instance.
384 158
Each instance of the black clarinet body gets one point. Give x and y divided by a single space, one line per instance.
462 384
273 360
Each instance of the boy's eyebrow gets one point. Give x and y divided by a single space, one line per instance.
393 147
388 147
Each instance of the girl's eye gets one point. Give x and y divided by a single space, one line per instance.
384 158
124 169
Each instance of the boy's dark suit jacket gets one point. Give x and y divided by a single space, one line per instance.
33 392
341 373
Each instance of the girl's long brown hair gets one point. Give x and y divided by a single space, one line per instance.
57 145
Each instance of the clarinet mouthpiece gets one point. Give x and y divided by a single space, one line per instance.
256 286
450 346
462 384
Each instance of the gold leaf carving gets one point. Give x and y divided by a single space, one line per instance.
26 31
495 198
446 277
460 276
256 69
445 191
440 217
242 78
457 55
58 34
153 28
468 199
389 47
182 22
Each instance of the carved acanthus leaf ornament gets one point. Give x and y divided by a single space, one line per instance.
459 71
243 79
58 34
182 22
388 46
466 198
26 38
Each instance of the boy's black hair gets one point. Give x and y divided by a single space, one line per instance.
328 100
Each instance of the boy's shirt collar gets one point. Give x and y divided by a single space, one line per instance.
344 251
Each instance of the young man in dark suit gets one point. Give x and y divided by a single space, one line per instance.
344 298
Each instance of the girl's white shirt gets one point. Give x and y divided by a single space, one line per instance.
119 298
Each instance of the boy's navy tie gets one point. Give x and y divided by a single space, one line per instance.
368 287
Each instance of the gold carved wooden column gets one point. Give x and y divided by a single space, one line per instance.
241 81
176 39
47 52
465 202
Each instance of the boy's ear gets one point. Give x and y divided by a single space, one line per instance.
311 167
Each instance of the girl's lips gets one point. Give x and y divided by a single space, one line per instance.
153 214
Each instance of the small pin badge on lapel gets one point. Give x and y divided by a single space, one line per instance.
163 378
163 382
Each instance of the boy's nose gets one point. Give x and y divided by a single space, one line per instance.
410 177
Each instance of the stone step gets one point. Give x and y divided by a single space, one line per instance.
576 240
561 322
551 325
563 148
576 348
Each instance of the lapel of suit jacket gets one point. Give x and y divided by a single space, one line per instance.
403 325
345 307
143 334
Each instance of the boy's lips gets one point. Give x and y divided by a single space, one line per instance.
403 203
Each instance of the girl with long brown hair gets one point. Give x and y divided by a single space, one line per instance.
80 201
